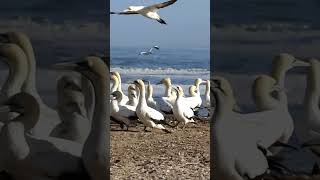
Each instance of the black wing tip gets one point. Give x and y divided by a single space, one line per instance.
161 21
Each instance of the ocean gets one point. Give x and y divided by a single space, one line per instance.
183 66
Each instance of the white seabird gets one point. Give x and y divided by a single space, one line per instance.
49 118
150 51
237 152
75 124
125 98
182 112
147 115
309 130
122 114
206 102
147 11
133 96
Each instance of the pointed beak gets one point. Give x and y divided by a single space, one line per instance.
145 81
65 66
300 63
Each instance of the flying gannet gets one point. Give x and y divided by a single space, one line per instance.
147 11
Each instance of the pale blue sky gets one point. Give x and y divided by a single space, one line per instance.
188 25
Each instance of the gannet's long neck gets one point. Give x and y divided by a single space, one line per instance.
94 150
224 105
119 84
207 93
142 96
88 92
17 74
279 74
150 92
313 88
197 84
132 97
168 86
29 85
115 85
114 106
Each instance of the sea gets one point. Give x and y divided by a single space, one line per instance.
183 66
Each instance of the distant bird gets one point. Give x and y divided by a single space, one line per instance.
150 51
148 11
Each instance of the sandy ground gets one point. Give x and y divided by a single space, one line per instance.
182 154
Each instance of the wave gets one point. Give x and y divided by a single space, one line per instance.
161 71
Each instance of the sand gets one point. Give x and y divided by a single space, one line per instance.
183 154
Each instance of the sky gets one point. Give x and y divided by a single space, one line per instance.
188 25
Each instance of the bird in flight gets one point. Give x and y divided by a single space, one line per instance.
150 51
147 11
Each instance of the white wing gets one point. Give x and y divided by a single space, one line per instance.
154 114
163 104
127 111
187 112
155 7
192 102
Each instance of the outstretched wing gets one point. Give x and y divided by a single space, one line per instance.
164 4
124 13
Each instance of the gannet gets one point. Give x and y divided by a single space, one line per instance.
25 156
115 83
197 83
125 98
236 149
150 51
150 101
123 113
206 102
95 156
147 115
182 112
265 128
87 90
309 129
75 125
133 96
148 11
14 57
49 118
165 102
195 100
